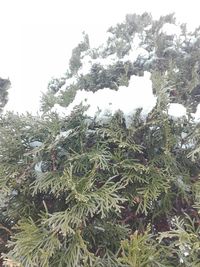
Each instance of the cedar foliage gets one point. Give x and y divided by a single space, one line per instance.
76 191
4 86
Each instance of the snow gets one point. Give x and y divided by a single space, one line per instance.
60 110
176 70
35 144
14 192
196 115
176 110
147 28
108 35
170 29
38 167
88 62
136 41
134 53
143 53
105 62
136 50
184 135
189 40
106 101
63 134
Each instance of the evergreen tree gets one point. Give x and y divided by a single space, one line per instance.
79 191
4 86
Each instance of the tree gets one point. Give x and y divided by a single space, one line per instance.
80 191
4 86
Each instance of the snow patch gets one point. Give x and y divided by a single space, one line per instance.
38 167
14 193
35 144
184 135
136 50
62 111
88 62
176 110
105 62
170 29
196 115
134 53
147 28
63 134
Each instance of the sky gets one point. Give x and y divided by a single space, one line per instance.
37 37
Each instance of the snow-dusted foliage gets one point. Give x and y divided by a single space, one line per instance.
67 83
129 50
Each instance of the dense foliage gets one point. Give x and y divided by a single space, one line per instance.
4 86
78 191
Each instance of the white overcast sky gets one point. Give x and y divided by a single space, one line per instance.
37 37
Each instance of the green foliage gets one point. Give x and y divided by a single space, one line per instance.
83 193
75 60
142 251
55 84
4 86
195 141
48 100
112 77
185 241
67 96
37 245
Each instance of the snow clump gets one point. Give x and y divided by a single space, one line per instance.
176 110
137 95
